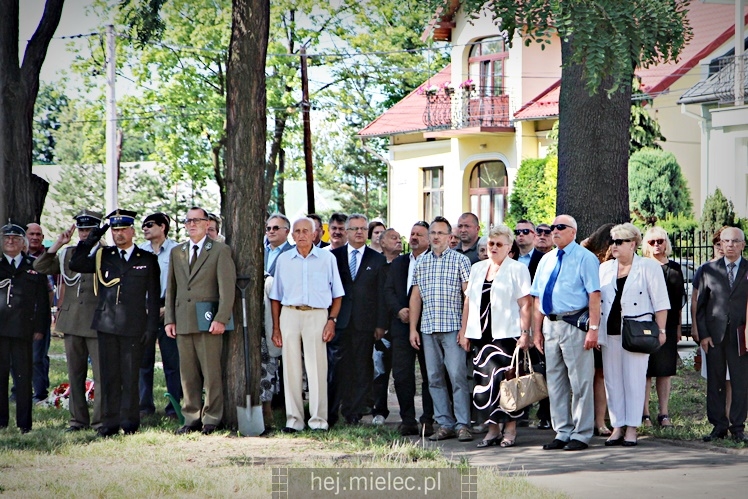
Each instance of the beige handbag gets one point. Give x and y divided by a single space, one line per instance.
520 391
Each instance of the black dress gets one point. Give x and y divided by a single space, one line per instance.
663 361
491 359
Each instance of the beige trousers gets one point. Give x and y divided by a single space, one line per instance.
200 367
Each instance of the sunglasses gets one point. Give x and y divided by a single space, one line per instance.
544 232
195 221
618 242
517 232
491 244
652 242
148 225
559 227
271 228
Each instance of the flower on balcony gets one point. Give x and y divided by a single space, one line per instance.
467 85
428 90
449 88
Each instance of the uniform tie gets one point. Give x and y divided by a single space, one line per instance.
353 263
13 263
548 292
123 254
730 276
195 248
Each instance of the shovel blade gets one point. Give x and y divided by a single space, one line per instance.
251 423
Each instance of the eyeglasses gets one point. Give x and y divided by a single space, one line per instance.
491 244
559 227
652 242
619 242
271 228
733 241
517 232
148 225
193 221
357 229
544 232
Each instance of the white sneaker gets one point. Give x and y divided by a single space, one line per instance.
378 420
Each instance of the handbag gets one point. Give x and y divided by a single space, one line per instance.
580 319
521 391
640 336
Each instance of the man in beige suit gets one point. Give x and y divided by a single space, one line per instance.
200 270
77 303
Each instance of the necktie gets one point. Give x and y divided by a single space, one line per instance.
123 254
548 292
13 263
730 276
353 263
194 255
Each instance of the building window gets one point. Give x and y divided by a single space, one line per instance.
489 192
433 192
486 65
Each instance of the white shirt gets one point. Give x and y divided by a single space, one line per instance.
16 259
359 255
412 260
128 252
199 248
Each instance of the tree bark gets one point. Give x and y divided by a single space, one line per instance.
245 190
280 181
22 194
593 150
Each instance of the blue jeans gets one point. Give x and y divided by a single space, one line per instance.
170 359
443 353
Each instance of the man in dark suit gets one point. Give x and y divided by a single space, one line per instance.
76 306
200 270
397 298
349 354
319 231
24 312
720 311
127 316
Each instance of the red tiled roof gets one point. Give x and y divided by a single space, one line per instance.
406 115
712 25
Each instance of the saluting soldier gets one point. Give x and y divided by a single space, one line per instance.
126 318
76 304
24 312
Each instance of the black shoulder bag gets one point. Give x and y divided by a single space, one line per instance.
640 336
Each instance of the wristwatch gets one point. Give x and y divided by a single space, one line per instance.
331 318
594 328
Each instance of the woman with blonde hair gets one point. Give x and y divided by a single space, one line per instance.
662 363
630 286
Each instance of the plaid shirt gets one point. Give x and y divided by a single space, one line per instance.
439 280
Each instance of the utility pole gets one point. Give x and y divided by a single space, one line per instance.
111 124
305 107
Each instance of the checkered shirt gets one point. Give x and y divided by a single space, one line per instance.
439 280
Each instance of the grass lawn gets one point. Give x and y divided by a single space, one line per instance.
156 463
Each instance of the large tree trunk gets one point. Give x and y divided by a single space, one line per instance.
22 194
593 150
245 193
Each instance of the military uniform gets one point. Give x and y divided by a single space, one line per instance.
24 310
127 314
74 321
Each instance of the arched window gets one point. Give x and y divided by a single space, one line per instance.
488 192
486 65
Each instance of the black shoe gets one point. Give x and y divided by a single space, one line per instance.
104 432
73 429
523 423
544 424
208 429
406 430
740 437
575 445
555 445
427 429
25 430
184 430
715 435
288 429
630 443
613 442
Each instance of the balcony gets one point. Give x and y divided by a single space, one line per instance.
466 110
731 68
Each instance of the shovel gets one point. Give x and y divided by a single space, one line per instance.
249 417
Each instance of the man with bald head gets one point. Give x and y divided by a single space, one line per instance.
468 228
35 237
566 282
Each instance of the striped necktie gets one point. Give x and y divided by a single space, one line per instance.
353 263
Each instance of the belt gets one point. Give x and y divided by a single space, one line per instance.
303 308
557 317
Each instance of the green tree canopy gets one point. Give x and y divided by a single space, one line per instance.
657 186
533 195
718 211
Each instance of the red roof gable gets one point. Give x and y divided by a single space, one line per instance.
406 115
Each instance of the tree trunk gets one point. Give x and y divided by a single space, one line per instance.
22 194
245 192
593 150
280 183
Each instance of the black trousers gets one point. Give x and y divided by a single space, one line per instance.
120 358
350 373
18 353
718 359
404 376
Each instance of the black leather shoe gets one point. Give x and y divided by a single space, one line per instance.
104 432
544 424
427 429
612 442
739 437
575 445
73 429
630 443
715 435
184 430
208 429
408 429
555 445
288 429
25 430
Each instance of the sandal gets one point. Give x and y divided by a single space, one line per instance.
646 421
489 442
664 421
602 431
508 442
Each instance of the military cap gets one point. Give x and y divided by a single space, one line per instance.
11 229
88 219
121 218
